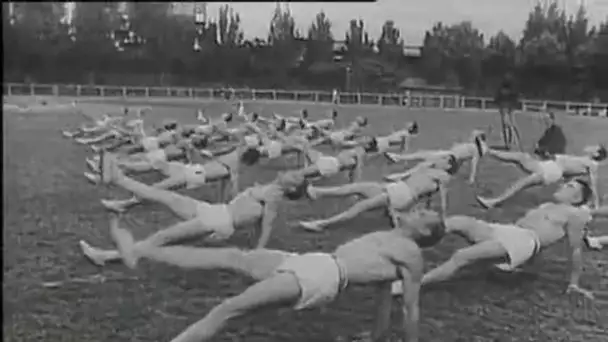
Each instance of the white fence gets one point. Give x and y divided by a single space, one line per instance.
409 99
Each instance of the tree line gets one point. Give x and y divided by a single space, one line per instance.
559 56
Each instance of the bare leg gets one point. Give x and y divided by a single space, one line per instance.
365 189
515 136
136 165
351 213
420 155
280 289
122 205
182 206
505 128
523 160
257 264
488 250
99 139
523 183
130 251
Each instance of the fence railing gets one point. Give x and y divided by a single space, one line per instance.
408 99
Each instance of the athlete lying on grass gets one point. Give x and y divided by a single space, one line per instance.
275 142
255 206
118 127
399 196
510 246
178 149
306 280
39 106
339 137
349 160
462 151
203 167
97 126
548 171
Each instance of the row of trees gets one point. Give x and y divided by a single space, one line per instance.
559 56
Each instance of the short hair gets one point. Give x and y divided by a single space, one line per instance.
170 125
282 124
551 115
304 113
414 128
586 191
454 165
200 142
370 144
251 156
334 114
227 117
433 226
362 121
254 116
601 154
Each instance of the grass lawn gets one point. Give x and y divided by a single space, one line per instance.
48 207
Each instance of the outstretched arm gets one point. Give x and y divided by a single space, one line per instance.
474 163
443 194
410 304
574 230
270 214
383 312
594 185
600 211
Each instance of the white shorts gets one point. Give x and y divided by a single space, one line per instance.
156 158
521 244
328 166
217 219
399 195
150 143
320 276
194 175
337 136
252 140
383 144
551 171
274 149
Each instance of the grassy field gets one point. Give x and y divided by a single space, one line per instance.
48 207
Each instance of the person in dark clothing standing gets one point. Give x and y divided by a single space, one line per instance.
553 141
507 100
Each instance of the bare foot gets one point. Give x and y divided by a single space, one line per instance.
112 205
391 157
92 178
91 253
124 242
93 165
314 226
311 193
486 203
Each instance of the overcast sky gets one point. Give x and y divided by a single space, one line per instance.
412 17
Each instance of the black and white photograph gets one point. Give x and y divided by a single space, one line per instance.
365 171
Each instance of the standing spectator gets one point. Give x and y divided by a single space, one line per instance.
507 100
553 141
